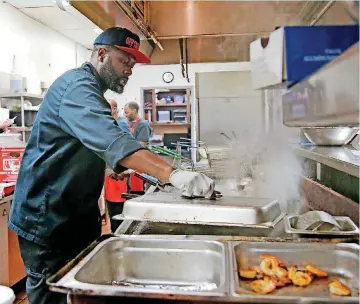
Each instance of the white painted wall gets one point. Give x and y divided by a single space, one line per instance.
229 99
150 76
42 54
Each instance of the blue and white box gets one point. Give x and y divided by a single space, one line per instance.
293 53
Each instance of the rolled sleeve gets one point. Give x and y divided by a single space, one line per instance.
85 114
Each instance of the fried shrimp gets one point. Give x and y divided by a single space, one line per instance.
281 274
263 286
274 258
339 289
266 266
248 273
300 278
316 271
270 266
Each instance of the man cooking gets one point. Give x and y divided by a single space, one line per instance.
54 210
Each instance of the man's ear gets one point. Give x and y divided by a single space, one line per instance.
101 54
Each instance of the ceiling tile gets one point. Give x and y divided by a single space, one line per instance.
55 18
87 23
30 3
84 37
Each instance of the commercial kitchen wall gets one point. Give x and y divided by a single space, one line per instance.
42 54
150 76
227 98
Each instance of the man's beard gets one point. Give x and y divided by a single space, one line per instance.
112 80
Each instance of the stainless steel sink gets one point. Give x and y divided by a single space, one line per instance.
125 264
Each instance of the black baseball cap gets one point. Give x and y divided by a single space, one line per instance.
124 40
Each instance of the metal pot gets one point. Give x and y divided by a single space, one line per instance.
330 136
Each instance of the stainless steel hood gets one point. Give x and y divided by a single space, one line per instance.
330 97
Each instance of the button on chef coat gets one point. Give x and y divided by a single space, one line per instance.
62 170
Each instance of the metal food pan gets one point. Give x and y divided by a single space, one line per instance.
226 211
348 227
341 261
130 227
121 265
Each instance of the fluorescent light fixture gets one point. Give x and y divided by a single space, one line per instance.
98 30
62 2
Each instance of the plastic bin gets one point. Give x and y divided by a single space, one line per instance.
164 116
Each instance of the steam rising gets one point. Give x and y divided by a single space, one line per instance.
268 162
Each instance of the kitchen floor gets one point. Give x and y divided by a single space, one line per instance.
21 296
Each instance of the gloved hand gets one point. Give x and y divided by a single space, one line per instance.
192 184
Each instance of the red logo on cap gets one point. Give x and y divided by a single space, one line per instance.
132 43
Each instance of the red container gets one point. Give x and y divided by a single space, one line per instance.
10 160
7 189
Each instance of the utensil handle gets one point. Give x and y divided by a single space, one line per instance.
145 179
129 196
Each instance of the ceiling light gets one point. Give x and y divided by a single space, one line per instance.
98 30
63 2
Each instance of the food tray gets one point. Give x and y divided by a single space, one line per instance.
341 261
122 265
226 211
130 227
348 227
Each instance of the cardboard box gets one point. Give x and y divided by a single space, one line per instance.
293 53
10 160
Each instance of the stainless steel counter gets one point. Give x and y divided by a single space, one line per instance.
345 158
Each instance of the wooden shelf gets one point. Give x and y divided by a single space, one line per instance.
172 124
153 110
171 105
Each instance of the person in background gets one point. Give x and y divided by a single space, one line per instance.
139 127
142 132
115 114
115 184
55 210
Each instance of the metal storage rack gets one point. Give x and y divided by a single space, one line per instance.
34 99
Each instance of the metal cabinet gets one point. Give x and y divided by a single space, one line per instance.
4 256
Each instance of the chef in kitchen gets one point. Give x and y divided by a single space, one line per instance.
55 207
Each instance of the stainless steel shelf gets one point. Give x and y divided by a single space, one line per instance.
345 158
20 129
329 97
31 97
